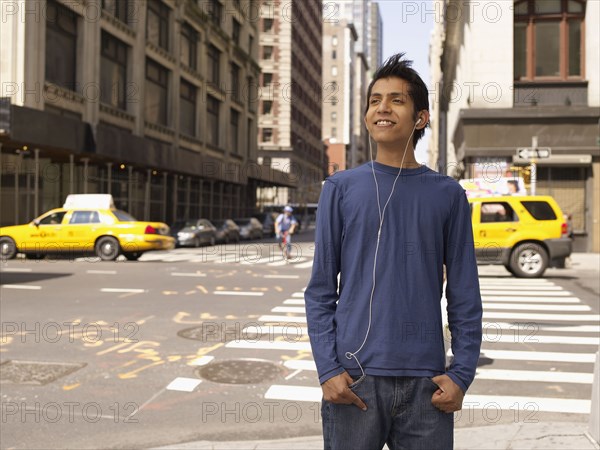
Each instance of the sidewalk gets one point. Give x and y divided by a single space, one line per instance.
556 435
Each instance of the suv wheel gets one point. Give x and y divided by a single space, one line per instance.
107 248
529 260
8 248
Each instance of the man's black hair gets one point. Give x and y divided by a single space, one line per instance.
396 66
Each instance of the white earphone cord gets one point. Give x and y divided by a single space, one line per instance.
350 355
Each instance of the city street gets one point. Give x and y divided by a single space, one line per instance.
211 344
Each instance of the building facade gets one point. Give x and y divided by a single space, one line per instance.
522 74
153 101
291 92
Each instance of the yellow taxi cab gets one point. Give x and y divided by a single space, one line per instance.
86 224
527 234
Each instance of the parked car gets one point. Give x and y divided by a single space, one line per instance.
194 233
250 228
268 222
526 234
227 231
86 224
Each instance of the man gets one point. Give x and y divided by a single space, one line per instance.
387 229
285 225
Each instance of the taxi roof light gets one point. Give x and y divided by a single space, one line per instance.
89 201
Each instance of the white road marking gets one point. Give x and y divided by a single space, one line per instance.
270 345
525 287
247 293
525 337
15 269
305 265
536 316
301 364
183 384
536 376
293 301
202 361
115 290
502 292
289 309
539 356
528 327
531 404
549 300
298 295
535 307
291 277
22 286
187 274
102 272
294 393
282 319
290 332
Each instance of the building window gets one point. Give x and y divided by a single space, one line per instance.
267 25
250 44
157 24
267 78
214 10
156 95
119 9
212 114
113 71
267 134
267 106
548 39
61 45
187 108
214 61
235 81
334 54
188 52
236 31
333 132
267 51
334 71
249 134
334 40
333 116
235 130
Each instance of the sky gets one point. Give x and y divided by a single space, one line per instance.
407 28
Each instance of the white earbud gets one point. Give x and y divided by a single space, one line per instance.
418 121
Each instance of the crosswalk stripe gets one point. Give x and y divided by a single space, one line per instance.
270 345
503 293
301 364
294 301
536 316
298 295
536 307
508 288
289 332
539 356
304 265
534 376
294 393
533 404
282 319
289 309
490 299
524 338
528 327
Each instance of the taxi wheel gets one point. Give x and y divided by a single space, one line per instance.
107 248
529 260
8 248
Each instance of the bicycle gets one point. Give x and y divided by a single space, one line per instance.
285 246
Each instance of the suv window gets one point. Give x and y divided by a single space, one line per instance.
53 219
84 217
497 212
539 210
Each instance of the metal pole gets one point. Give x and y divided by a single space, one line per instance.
147 196
71 173
109 177
533 178
36 182
85 174
164 197
129 190
17 170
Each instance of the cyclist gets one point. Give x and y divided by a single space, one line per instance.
285 224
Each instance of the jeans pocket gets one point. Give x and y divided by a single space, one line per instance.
433 383
352 386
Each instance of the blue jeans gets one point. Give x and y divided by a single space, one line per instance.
399 413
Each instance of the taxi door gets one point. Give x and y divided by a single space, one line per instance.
495 228
44 234
80 231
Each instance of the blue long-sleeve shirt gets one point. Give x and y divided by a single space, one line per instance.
427 224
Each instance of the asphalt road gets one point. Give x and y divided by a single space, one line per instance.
210 344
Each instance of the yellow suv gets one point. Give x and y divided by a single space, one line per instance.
526 234
87 223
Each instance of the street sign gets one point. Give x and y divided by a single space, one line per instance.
531 152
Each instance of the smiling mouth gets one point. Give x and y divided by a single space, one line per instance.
384 123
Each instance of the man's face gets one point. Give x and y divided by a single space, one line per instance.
390 116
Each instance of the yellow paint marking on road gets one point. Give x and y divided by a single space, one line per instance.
253 316
230 317
193 291
206 316
133 373
170 292
278 288
264 289
70 387
205 350
220 288
202 289
173 358
130 363
143 321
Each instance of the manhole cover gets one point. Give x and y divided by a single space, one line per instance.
32 372
212 332
240 371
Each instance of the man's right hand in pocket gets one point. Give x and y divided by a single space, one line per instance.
336 390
